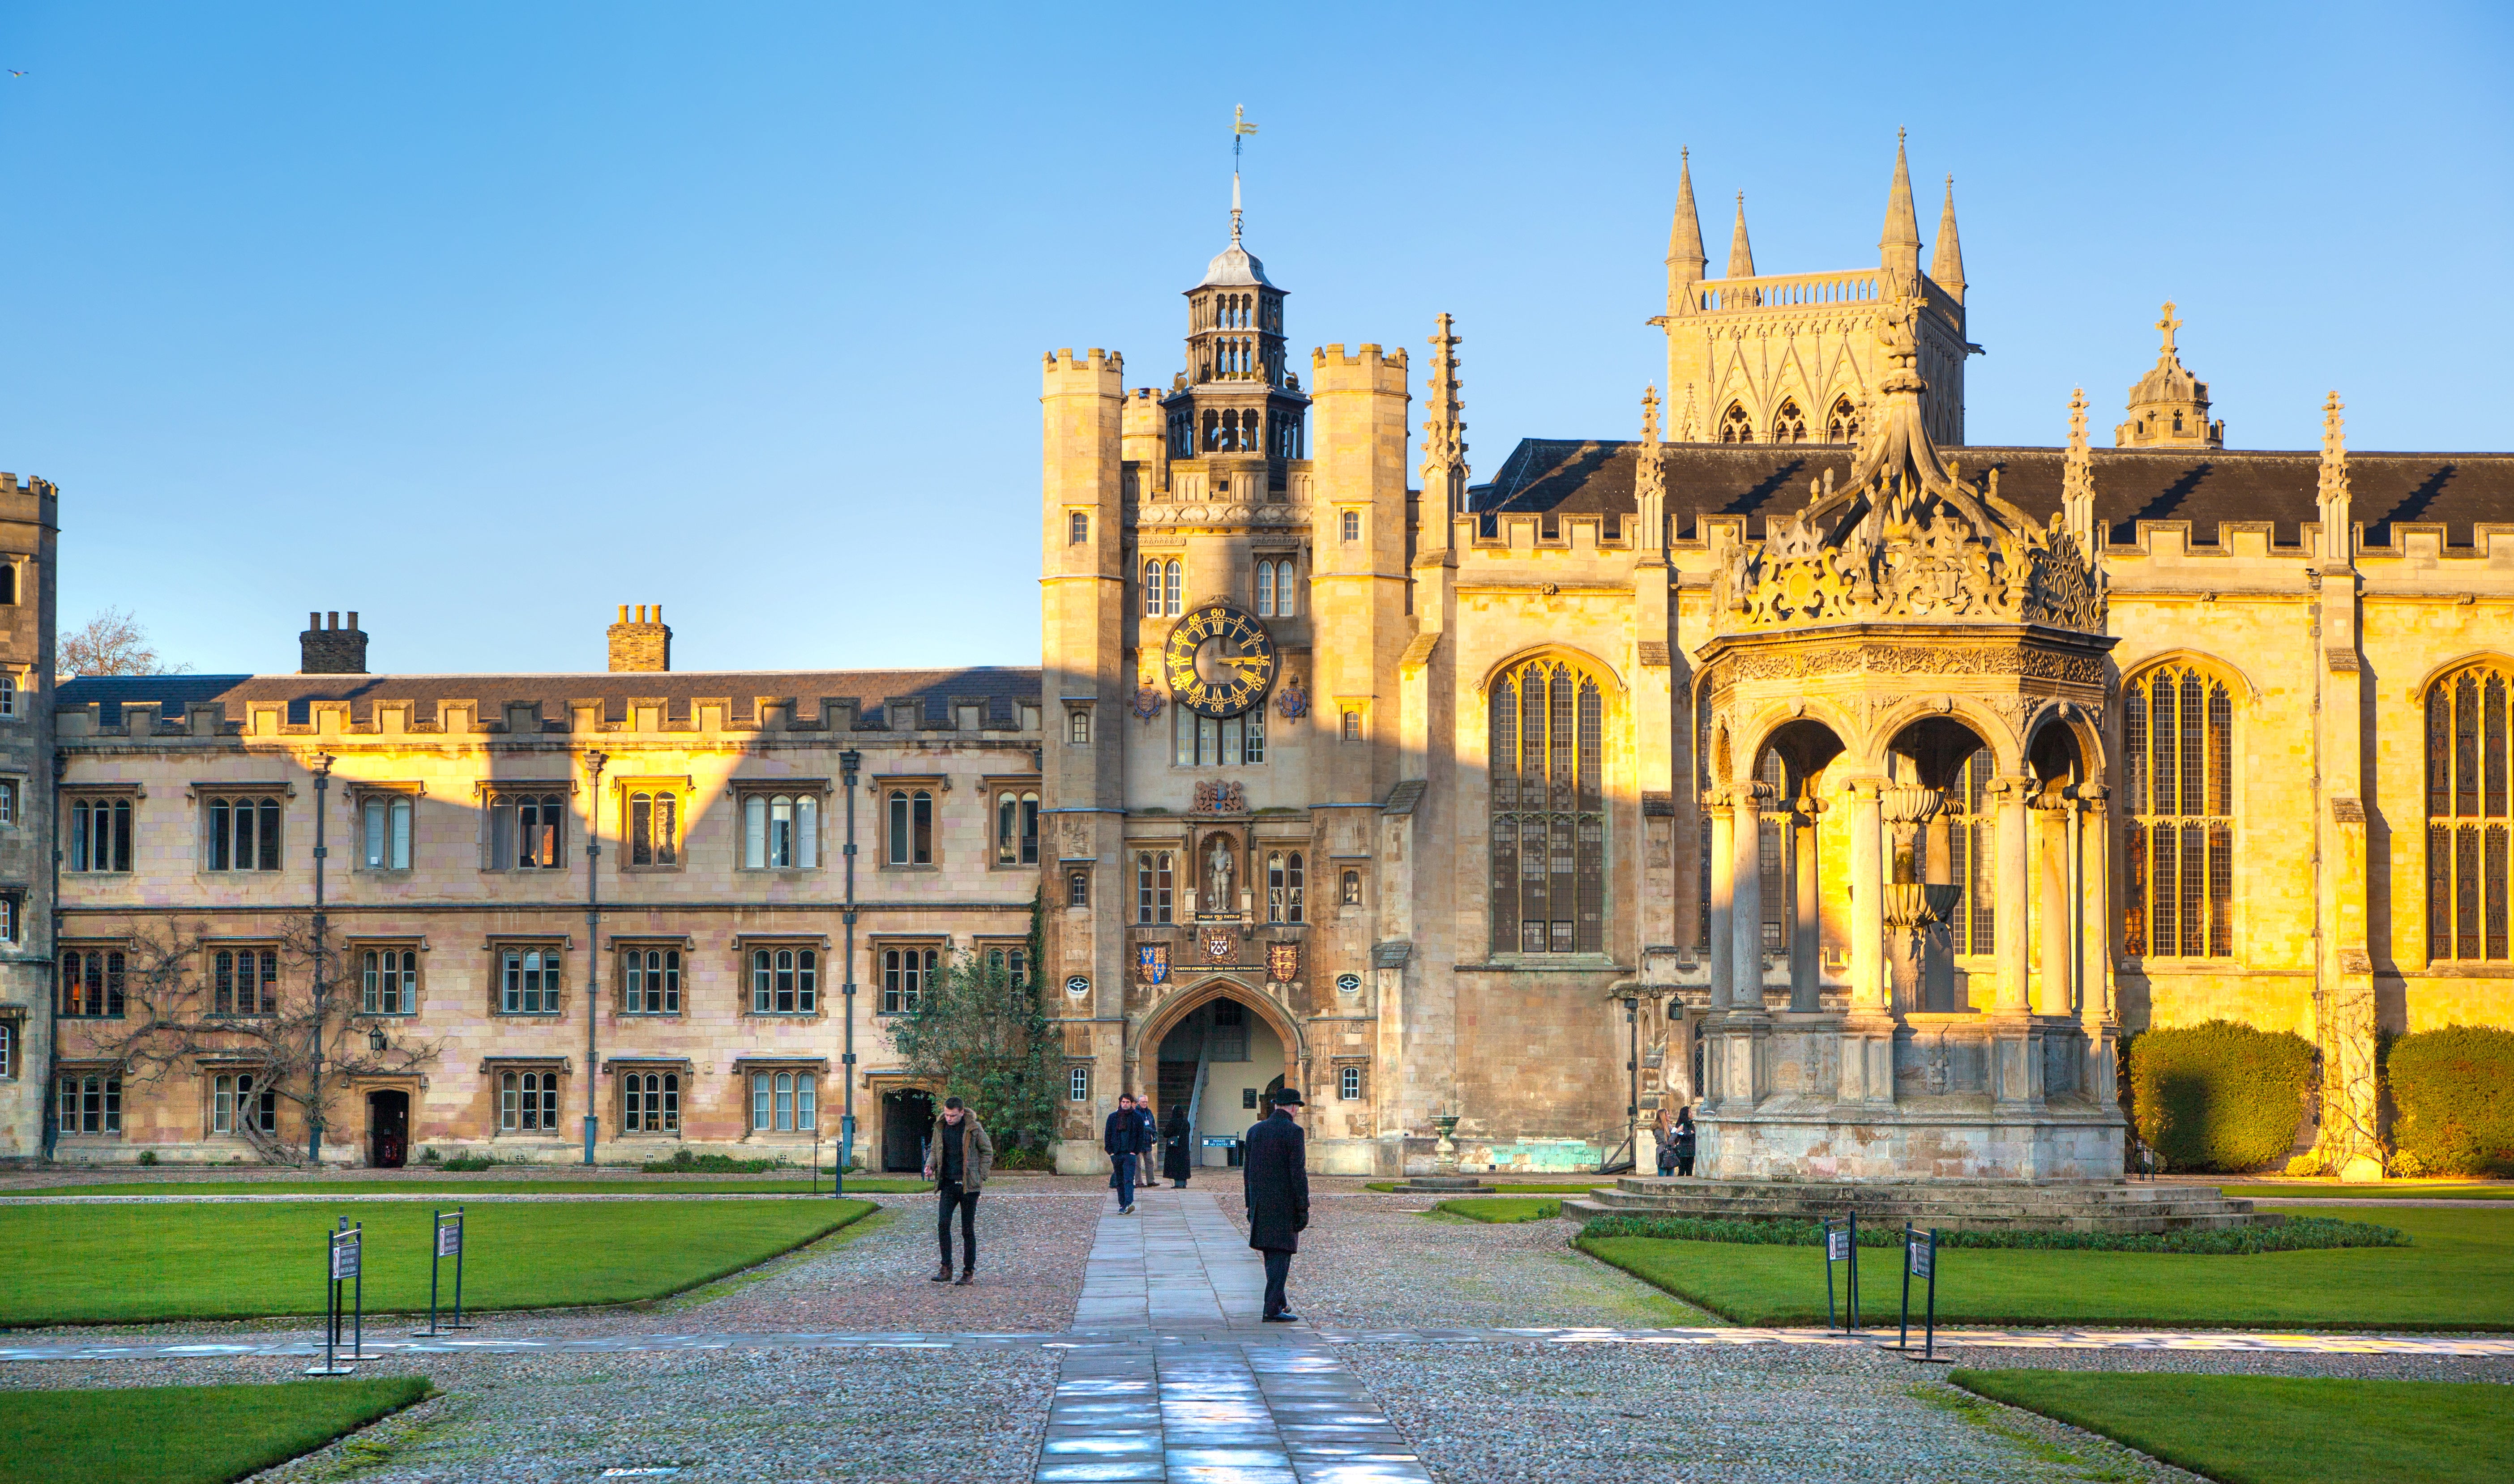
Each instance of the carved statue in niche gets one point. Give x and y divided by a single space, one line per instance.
1219 898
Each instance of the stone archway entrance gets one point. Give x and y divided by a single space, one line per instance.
1217 1055
387 1129
907 1117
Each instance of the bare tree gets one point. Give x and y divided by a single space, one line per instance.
112 643
253 1010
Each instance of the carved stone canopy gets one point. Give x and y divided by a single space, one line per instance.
1908 538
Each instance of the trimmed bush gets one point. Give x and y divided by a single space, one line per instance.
2452 1100
2219 1095
687 1162
2301 1233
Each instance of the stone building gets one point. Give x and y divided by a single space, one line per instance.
1457 795
29 527
492 1010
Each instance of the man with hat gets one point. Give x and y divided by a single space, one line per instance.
1274 1174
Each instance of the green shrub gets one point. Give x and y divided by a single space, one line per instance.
2301 1233
1025 1159
2219 1095
148 1156
467 1162
683 1162
2453 1101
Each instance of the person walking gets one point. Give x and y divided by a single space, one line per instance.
1175 1141
959 1159
1683 1139
1275 1180
1127 1134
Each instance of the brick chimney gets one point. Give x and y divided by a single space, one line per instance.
641 643
330 648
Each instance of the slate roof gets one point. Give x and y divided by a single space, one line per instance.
2202 486
1001 690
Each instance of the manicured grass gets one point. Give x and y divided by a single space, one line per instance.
1504 1208
2457 1275
1558 1187
459 1185
2392 1193
184 1434
2278 1430
138 1263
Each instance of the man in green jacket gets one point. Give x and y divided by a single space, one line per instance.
958 1157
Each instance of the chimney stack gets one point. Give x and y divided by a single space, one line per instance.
328 647
641 643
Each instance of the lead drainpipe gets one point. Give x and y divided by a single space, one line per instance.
593 761
322 1006
848 762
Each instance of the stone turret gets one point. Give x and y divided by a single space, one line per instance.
2169 407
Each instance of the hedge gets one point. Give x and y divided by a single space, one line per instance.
2219 1095
2300 1233
2453 1101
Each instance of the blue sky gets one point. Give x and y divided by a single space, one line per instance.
483 319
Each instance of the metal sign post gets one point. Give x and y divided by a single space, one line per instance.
446 1241
1841 1245
340 1255
1921 1261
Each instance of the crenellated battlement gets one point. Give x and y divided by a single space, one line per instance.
1519 536
1368 367
448 717
1094 362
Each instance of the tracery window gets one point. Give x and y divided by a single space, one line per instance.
527 831
389 980
1736 426
2177 739
1549 821
528 1102
650 1103
1153 886
1775 856
904 973
650 982
785 981
1788 426
1842 425
1973 849
2467 813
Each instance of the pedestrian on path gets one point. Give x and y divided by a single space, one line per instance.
1176 1138
1683 1139
1663 1129
958 1158
1274 1179
1127 1134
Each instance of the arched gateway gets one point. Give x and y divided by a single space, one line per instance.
1923 667
1216 1048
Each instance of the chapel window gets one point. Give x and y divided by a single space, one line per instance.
1736 426
1843 426
1788 426
2178 735
2467 813
1973 848
1549 821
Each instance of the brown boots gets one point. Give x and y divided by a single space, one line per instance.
941 1275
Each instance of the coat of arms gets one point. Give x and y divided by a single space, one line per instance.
1282 962
1148 701
1153 963
1293 700
1220 798
1221 944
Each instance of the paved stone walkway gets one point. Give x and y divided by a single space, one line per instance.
1176 1262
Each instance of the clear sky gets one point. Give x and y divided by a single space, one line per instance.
483 319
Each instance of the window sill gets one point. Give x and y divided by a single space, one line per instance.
529 1015
910 866
389 1015
390 873
794 872
649 1015
66 1016
650 870
783 1014
1546 963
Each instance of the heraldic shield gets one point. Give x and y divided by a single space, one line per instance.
1153 963
1221 944
1282 962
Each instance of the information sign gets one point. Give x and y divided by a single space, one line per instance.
344 1255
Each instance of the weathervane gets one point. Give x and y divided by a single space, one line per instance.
1240 129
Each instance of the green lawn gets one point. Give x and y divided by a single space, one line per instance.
1504 1208
2457 1275
2276 1429
1558 1187
455 1186
184 1434
2396 1192
139 1263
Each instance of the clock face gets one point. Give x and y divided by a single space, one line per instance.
1220 660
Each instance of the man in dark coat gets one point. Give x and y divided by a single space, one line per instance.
1176 1142
1275 1179
1127 1134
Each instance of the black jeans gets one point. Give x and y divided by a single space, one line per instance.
966 1203
1278 1267
1684 1164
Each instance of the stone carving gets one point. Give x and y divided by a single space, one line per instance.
1293 700
1149 699
1220 798
1907 538
1218 871
1926 660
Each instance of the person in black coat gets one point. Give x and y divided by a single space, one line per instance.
1175 1143
1274 1179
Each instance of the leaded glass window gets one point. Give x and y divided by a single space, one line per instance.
2468 815
2178 740
1548 820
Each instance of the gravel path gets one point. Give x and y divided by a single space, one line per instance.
1376 1261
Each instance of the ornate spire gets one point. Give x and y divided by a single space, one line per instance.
1649 477
2168 406
1445 446
2078 477
2331 496
1741 254
1899 249
1946 259
1685 262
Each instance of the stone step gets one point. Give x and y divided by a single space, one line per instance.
2114 1223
